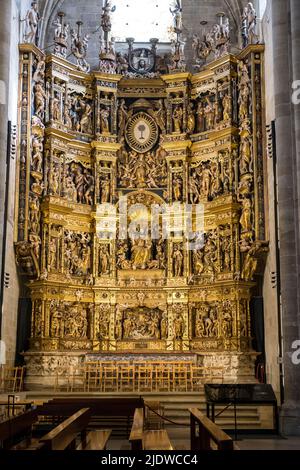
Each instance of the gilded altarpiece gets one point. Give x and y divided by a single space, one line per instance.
90 141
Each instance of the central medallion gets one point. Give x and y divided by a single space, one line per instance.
141 132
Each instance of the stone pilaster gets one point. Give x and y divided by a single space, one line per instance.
286 57
5 23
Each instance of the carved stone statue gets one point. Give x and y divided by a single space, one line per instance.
86 118
159 115
34 214
123 116
177 119
227 107
61 36
249 25
79 48
39 100
89 186
245 154
226 253
244 91
178 259
198 262
194 188
54 180
55 324
246 217
37 154
104 260
210 255
56 110
216 41
104 116
105 189
179 327
39 74
67 112
206 181
250 263
141 253
52 256
191 122
177 188
209 114
227 320
200 117
176 10
32 23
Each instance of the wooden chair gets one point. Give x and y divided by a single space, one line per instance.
197 378
163 378
144 378
126 378
94 378
180 378
9 379
110 379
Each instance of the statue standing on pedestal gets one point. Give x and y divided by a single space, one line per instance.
108 61
249 25
32 23
61 36
79 48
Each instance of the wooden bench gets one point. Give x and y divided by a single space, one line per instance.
19 426
137 430
207 432
112 413
64 436
157 440
95 440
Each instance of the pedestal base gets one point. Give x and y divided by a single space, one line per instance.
43 370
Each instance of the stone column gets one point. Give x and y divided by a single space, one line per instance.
5 31
288 187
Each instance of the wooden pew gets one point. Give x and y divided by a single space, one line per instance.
157 440
208 431
137 430
64 436
95 440
113 413
18 426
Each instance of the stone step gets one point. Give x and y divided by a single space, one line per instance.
227 414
